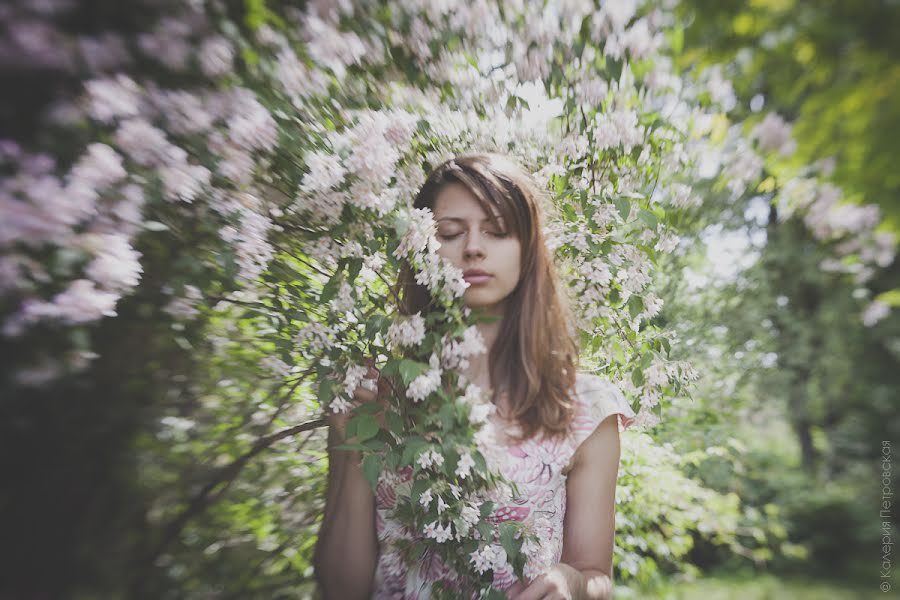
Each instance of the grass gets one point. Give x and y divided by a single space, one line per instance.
764 587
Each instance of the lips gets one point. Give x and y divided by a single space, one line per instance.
476 276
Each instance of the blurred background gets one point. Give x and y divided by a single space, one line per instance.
768 477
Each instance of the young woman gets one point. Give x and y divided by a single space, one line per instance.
558 430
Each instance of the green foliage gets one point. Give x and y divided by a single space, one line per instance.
665 512
829 66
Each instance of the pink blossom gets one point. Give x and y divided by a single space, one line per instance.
116 265
774 133
82 302
112 99
216 56
875 312
251 126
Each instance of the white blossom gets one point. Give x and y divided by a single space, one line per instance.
340 405
464 467
298 80
216 56
429 458
326 171
437 532
147 145
183 181
408 332
81 302
185 307
275 365
774 133
112 99
251 126
874 312
116 265
99 167
483 559
315 336
417 230
471 514
356 377
332 48
426 383
426 498
619 127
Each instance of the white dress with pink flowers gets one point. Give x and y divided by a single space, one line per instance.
538 468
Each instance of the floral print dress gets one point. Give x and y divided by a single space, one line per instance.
538 466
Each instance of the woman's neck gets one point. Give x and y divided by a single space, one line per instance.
479 371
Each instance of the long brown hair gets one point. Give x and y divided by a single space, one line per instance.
534 358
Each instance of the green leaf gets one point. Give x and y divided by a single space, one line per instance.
635 306
391 460
649 218
480 464
623 206
486 530
410 369
372 465
664 342
637 377
413 446
374 324
890 297
418 488
509 541
368 408
395 423
353 269
352 424
325 392
448 416
367 428
495 594
330 288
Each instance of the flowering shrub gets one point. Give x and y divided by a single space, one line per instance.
288 148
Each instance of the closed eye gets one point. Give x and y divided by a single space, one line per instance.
453 236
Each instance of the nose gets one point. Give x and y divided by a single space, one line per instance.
473 247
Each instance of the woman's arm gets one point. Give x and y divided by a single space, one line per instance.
585 568
346 552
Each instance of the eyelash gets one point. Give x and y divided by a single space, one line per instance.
453 236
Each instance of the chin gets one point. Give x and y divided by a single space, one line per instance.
476 301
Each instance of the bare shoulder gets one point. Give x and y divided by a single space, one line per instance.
600 448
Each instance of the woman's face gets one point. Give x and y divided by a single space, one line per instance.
470 242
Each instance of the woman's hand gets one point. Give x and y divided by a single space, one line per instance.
561 582
517 588
361 394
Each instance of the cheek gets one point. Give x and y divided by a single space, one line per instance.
513 263
445 249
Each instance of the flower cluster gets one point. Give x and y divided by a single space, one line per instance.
406 332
